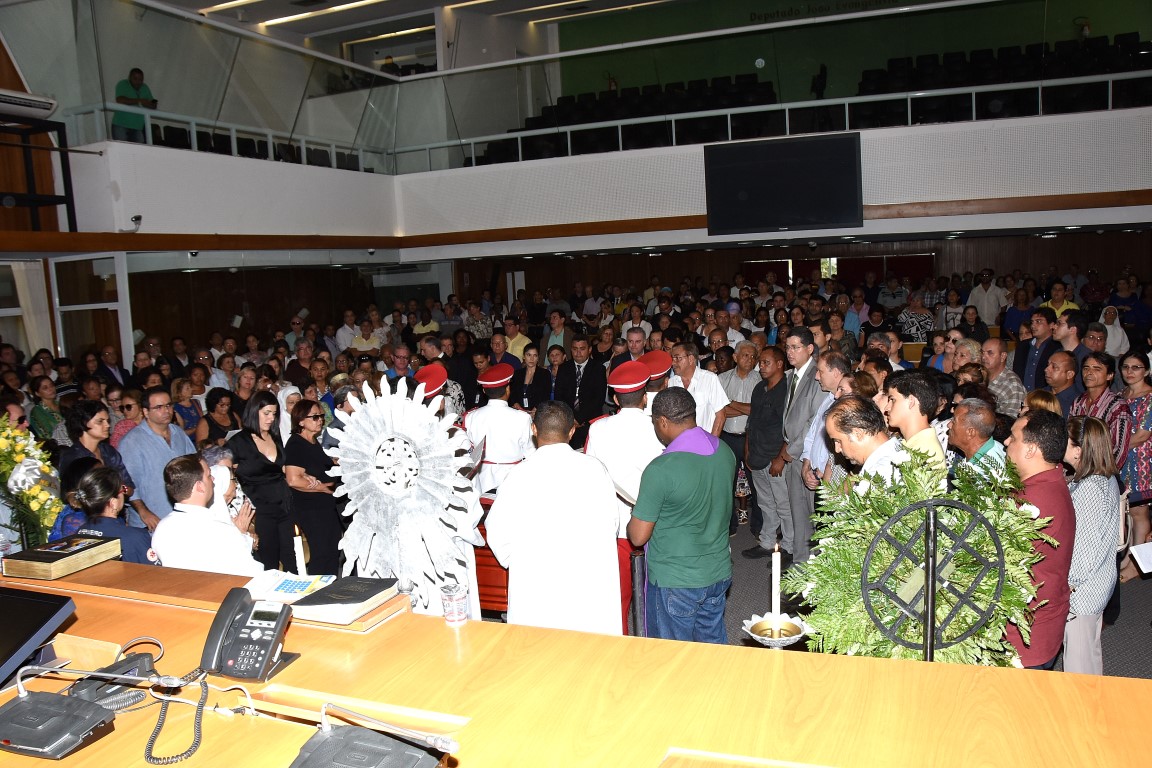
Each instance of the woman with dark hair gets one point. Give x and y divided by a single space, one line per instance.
102 498
131 401
532 384
45 415
313 506
163 365
198 376
1092 573
259 460
70 518
973 327
950 315
90 365
88 429
218 420
1136 472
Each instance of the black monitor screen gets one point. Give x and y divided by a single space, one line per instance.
30 619
806 182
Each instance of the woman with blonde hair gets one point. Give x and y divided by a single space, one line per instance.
1092 573
1043 400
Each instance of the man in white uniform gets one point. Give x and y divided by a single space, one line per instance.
625 443
198 538
506 431
559 548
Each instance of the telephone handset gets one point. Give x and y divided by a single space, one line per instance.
246 638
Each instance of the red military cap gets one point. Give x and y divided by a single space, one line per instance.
629 377
497 376
433 378
658 361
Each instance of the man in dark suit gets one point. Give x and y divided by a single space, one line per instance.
110 369
582 383
1031 359
635 339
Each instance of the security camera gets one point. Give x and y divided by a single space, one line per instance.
371 251
137 219
811 245
193 254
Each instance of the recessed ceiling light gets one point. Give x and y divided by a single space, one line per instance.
1076 227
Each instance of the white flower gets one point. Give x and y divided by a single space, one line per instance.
900 457
1017 662
1031 509
853 650
863 487
808 588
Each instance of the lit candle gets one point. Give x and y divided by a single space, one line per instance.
298 548
776 591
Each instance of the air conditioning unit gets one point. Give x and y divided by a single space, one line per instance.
16 104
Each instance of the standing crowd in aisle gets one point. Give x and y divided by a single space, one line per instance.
677 414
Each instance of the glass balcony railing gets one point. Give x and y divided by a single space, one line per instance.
228 90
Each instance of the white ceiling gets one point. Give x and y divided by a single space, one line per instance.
373 17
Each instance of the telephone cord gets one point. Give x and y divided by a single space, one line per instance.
197 722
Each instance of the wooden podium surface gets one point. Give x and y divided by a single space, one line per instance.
519 696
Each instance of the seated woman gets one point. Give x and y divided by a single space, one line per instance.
45 415
973 327
187 410
218 420
101 496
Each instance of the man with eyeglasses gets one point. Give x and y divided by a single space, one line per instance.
804 398
400 368
988 298
299 370
110 369
146 450
704 386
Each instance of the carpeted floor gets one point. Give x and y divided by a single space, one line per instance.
1125 644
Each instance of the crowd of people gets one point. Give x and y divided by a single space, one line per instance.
678 413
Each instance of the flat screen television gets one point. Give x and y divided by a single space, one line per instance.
30 619
776 185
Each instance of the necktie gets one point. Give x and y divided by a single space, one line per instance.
788 405
579 375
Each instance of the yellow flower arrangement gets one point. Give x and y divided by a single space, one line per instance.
33 497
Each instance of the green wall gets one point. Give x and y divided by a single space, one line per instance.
792 56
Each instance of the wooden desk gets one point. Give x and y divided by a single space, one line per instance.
545 697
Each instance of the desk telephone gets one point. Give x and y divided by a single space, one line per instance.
247 637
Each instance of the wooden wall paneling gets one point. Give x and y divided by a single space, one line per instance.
12 177
194 305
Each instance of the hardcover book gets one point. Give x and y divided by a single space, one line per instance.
60 558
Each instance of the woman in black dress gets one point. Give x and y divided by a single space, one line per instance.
313 506
532 384
258 455
218 419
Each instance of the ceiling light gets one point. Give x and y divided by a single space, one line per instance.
471 2
603 10
1076 227
324 12
385 36
226 6
1048 236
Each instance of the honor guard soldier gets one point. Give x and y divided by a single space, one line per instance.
626 443
659 365
507 432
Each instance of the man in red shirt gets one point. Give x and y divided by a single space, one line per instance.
1036 446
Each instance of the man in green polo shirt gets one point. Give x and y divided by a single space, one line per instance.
682 513
129 126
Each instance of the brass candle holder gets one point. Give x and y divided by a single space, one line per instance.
775 631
